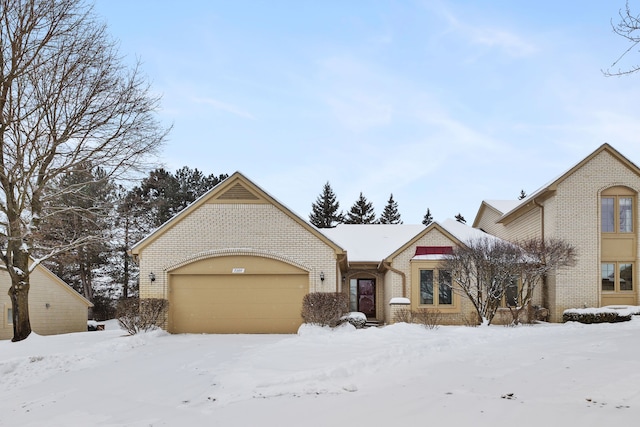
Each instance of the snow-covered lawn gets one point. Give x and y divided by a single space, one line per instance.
552 375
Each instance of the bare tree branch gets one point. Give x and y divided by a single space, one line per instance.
628 28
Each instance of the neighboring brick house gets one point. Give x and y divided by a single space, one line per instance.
237 260
54 307
593 206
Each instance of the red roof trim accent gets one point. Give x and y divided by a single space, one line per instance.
434 250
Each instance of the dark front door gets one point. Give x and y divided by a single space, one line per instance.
367 297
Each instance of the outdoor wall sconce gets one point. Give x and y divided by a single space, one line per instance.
47 305
152 277
322 276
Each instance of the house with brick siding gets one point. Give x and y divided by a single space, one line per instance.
54 307
239 261
593 206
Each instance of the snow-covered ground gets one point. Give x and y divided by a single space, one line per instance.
553 375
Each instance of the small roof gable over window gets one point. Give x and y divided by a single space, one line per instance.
433 250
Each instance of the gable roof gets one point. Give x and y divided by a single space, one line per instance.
502 206
235 189
498 206
549 189
458 233
463 232
58 281
379 243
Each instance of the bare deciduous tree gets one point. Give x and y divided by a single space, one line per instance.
66 98
539 258
485 268
481 270
628 28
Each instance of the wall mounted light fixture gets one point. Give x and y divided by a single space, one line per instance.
322 276
152 277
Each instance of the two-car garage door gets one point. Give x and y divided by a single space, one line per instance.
236 294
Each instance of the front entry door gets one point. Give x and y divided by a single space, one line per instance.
367 297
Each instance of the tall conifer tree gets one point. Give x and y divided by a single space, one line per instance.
361 212
390 214
324 211
460 219
428 218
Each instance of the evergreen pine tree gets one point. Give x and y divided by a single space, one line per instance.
87 220
361 212
324 211
460 219
428 218
522 195
390 214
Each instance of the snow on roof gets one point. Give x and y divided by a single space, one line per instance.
463 232
503 206
430 257
371 242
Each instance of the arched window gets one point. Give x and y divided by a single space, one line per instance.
617 213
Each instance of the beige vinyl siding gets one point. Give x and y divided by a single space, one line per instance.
54 307
489 222
526 226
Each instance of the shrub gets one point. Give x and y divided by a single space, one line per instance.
403 315
358 320
430 319
590 316
324 308
136 315
104 308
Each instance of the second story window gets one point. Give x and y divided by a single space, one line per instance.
616 210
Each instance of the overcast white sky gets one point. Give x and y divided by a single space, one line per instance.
442 103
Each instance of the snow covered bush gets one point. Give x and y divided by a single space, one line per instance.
136 315
355 318
601 315
324 308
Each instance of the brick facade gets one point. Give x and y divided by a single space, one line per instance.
240 229
569 209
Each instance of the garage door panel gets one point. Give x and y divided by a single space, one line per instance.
236 303
256 310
